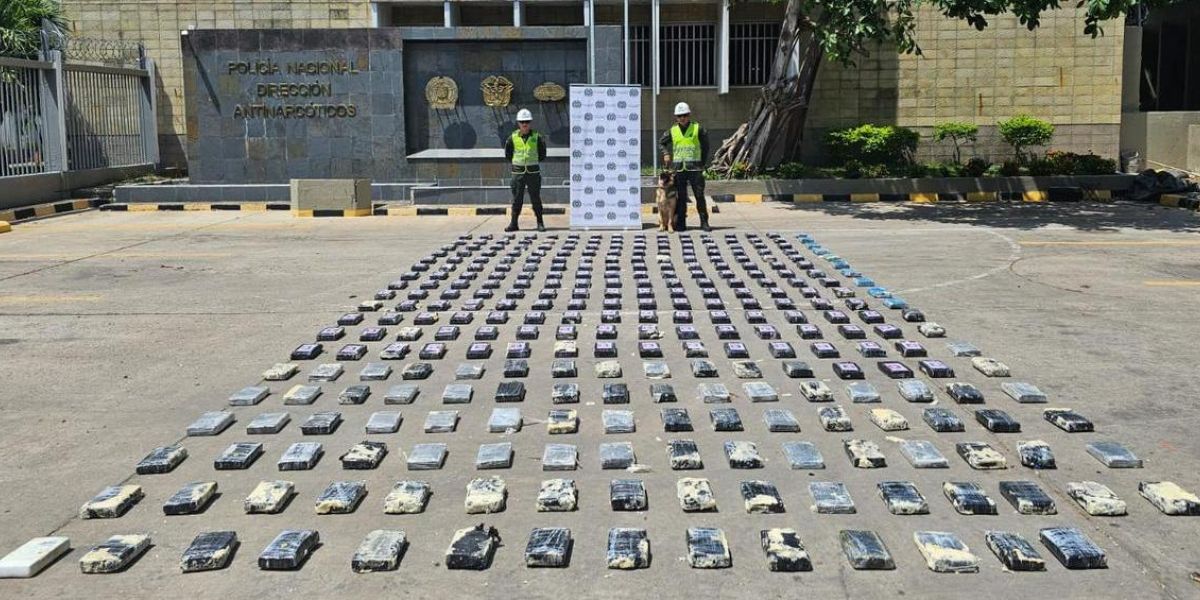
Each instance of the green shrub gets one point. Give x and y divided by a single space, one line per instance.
977 167
1010 168
1070 163
795 170
957 132
1042 167
877 171
920 170
944 169
740 170
873 144
1023 131
1090 164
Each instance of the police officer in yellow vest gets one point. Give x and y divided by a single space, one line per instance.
525 149
685 148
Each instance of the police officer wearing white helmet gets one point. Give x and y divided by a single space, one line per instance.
685 148
525 149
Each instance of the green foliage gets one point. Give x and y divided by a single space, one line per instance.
1040 167
1069 163
20 22
944 169
1054 163
1023 131
958 132
846 29
873 144
977 167
740 170
794 170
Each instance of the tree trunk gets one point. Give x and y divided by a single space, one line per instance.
775 128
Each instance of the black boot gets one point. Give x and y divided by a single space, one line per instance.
512 226
540 226
704 225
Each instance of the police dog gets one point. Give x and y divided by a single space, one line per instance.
666 196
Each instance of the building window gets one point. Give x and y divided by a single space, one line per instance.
751 51
479 14
1170 77
539 13
687 54
412 14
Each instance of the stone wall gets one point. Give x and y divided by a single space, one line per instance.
265 106
157 24
1055 72
472 124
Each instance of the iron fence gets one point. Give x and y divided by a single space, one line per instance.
751 52
104 120
687 55
83 104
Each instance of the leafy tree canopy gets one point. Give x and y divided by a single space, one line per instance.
845 27
20 22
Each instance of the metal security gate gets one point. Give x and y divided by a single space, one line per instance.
83 104
21 123
104 120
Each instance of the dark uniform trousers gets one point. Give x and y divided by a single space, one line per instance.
695 179
522 181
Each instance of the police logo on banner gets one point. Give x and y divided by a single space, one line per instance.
605 117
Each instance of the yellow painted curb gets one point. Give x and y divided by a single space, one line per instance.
7 216
141 207
1171 200
44 210
923 198
81 204
1103 194
460 211
1034 196
254 207
864 197
750 198
200 206
302 213
797 198
403 211
982 196
357 212
5 227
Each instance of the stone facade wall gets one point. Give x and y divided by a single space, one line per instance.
157 24
1055 72
268 105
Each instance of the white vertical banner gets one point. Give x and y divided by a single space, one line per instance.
606 142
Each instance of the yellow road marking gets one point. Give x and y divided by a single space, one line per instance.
1149 243
43 298
1172 283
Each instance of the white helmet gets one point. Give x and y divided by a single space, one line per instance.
682 109
524 115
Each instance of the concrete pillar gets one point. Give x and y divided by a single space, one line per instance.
723 10
518 13
589 21
149 115
54 114
375 10
449 13
1131 70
